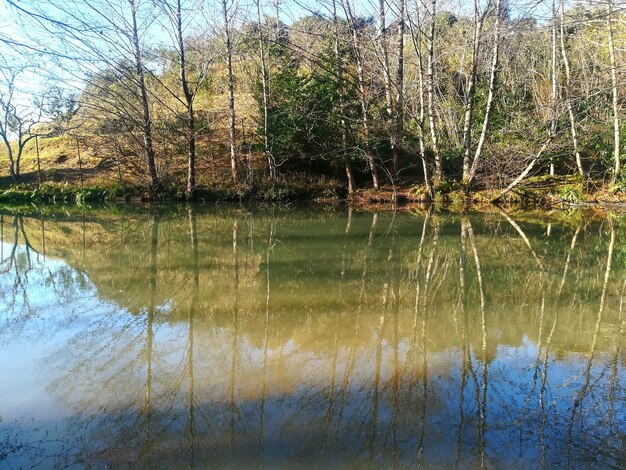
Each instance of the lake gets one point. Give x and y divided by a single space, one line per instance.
203 336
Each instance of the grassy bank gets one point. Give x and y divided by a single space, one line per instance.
283 190
61 179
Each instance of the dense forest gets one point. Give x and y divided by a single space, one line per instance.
179 96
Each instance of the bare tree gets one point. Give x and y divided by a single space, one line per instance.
265 84
554 118
19 122
567 90
614 92
398 131
227 14
430 78
342 101
109 50
355 29
478 21
145 105
102 44
417 38
383 45
492 89
174 11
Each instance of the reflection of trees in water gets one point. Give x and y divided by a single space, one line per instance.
482 400
396 360
468 369
24 274
190 436
18 263
543 392
588 385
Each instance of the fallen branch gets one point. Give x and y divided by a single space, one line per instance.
524 173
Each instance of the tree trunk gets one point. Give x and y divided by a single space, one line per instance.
493 75
271 166
471 91
191 154
7 144
231 93
21 145
5 131
417 44
18 159
366 129
398 130
80 163
362 93
567 91
616 130
554 118
342 104
387 76
430 75
147 121
189 98
38 161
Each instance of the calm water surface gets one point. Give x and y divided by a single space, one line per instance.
203 337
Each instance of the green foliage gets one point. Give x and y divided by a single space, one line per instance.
420 192
446 186
304 118
619 186
305 122
61 107
598 146
570 194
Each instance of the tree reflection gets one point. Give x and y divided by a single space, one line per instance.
18 264
205 339
587 382
193 238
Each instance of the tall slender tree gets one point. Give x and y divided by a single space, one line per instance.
614 92
430 78
342 100
493 74
478 21
398 131
227 12
173 8
145 105
357 50
417 38
265 84
567 90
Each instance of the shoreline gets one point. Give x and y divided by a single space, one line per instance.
383 200
538 194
